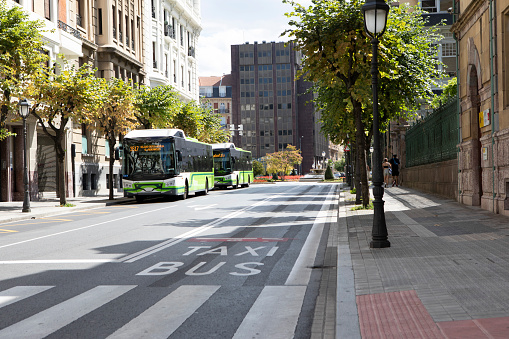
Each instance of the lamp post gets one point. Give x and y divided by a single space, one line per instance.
24 111
323 159
375 18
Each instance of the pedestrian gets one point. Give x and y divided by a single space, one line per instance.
395 169
387 171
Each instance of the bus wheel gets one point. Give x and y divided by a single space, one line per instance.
139 198
186 192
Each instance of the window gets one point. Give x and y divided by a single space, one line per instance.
107 148
84 139
222 91
449 49
47 9
100 20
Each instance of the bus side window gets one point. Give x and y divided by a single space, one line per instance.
179 156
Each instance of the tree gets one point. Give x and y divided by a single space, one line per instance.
337 58
115 115
283 161
450 92
258 168
156 107
21 60
200 123
67 96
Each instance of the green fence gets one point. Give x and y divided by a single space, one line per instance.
433 139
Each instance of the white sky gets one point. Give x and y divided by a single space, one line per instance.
234 22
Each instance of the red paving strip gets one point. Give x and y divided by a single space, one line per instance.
395 315
476 329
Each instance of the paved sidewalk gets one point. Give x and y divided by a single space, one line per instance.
446 274
12 211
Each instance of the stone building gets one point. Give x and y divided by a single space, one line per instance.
216 93
481 28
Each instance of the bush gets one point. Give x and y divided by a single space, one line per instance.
257 168
328 173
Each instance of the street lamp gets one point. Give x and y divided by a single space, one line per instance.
323 159
375 18
24 111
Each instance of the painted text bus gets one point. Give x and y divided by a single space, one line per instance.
232 166
164 162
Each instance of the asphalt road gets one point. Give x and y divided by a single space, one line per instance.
232 264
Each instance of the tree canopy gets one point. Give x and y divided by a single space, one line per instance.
337 57
283 161
21 59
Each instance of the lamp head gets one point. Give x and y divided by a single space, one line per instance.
24 108
375 17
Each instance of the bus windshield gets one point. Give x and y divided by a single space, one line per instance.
152 160
222 165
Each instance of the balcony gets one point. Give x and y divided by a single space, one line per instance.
68 29
169 31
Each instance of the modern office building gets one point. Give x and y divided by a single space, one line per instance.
272 105
172 28
216 93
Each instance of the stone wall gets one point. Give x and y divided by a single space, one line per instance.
438 178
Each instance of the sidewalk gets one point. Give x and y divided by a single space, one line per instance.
446 274
12 211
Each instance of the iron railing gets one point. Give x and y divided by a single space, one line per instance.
435 138
66 28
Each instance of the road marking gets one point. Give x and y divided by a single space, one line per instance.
238 239
18 293
48 321
56 219
301 271
201 207
119 206
91 213
83 228
163 318
59 261
165 244
2 230
264 320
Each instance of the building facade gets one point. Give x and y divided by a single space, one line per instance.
481 28
172 28
216 94
272 105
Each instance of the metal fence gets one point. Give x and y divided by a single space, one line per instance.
435 138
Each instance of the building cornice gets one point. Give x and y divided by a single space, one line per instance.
469 17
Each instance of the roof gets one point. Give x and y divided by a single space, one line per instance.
223 145
155 133
215 81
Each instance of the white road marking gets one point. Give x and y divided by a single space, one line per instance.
58 261
18 293
161 246
301 271
265 320
82 228
167 315
48 321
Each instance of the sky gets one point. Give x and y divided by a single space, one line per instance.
234 22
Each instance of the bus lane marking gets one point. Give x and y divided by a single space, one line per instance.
183 237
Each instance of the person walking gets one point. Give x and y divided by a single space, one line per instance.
395 169
387 171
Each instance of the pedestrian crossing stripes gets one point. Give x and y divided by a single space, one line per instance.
160 320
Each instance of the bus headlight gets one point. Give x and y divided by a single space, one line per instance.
128 185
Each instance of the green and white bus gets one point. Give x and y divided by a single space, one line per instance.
232 166
164 162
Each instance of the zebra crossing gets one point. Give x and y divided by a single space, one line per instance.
162 319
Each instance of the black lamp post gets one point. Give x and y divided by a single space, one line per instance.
375 19
24 111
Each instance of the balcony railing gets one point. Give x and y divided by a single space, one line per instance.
169 31
191 52
66 28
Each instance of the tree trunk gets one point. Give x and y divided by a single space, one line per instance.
112 162
357 176
61 186
360 140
